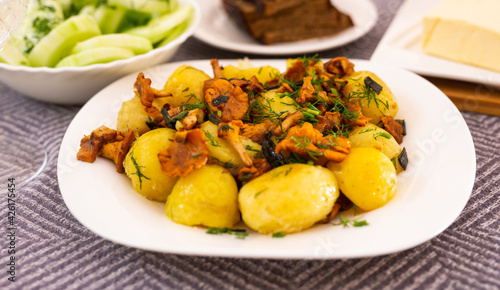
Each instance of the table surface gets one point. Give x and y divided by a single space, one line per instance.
54 251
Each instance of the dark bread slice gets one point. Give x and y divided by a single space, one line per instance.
314 19
271 7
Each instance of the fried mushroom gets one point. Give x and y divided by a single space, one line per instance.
188 152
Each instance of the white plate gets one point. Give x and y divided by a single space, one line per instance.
218 30
400 46
431 194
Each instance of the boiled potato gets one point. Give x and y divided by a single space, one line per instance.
373 136
206 197
222 152
367 177
132 115
373 105
143 167
263 74
185 80
277 103
288 199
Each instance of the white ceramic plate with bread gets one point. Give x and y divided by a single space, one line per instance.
218 30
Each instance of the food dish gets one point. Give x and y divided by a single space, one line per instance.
218 30
432 192
75 85
401 47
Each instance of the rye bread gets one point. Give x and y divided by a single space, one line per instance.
272 21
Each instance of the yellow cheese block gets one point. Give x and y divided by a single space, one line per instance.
464 31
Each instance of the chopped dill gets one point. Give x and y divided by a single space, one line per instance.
345 222
187 106
365 92
250 148
382 134
138 170
262 111
366 130
226 127
228 164
238 233
212 139
260 192
279 235
302 143
305 59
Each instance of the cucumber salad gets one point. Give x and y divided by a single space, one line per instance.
62 33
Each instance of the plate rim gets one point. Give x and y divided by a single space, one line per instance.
262 253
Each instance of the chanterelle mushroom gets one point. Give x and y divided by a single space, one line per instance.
188 152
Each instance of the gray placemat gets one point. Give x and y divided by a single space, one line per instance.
54 251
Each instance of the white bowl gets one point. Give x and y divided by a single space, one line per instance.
76 85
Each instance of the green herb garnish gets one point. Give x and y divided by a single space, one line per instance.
238 233
345 222
138 170
279 235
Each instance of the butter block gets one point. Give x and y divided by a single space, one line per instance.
464 31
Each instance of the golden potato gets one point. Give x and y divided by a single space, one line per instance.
185 80
277 103
263 74
288 199
373 105
367 177
222 152
207 197
373 136
132 115
143 167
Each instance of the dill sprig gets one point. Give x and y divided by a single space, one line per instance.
261 111
238 233
138 170
302 142
369 95
198 104
212 139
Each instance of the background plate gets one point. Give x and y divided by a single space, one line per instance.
400 46
218 30
431 193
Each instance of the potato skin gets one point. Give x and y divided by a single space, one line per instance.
222 152
207 197
143 157
185 80
263 74
386 104
364 137
367 177
132 115
288 199
276 104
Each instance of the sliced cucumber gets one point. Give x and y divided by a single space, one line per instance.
89 9
59 42
12 55
96 55
137 44
109 18
175 32
148 6
159 28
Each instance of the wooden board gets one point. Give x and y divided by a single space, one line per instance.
470 97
